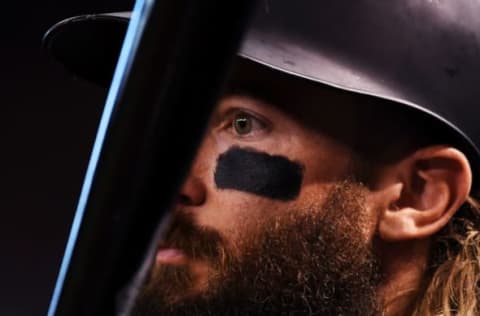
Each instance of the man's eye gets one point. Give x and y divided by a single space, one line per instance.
244 124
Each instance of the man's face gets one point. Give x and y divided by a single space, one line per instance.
269 219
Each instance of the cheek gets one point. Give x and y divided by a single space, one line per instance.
270 176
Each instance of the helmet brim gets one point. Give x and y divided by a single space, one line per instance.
88 46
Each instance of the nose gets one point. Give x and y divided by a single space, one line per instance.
192 192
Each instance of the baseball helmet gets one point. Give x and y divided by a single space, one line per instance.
422 54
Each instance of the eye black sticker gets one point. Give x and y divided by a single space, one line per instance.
248 170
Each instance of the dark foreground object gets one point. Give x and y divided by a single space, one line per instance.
144 146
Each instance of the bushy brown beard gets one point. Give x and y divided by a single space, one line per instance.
305 262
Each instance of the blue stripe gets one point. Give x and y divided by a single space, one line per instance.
127 54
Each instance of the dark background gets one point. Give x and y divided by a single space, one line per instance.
48 123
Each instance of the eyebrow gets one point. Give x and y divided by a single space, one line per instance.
236 90
218 116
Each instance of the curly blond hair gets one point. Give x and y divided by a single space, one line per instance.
451 287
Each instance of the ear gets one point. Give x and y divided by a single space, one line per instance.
421 193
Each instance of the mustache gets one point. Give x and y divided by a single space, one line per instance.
196 242
305 261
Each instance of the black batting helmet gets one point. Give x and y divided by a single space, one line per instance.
423 54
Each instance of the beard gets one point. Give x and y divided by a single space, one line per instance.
308 261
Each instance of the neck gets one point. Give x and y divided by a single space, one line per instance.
404 268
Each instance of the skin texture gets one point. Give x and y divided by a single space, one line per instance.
380 219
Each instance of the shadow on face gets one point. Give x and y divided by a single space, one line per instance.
374 128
